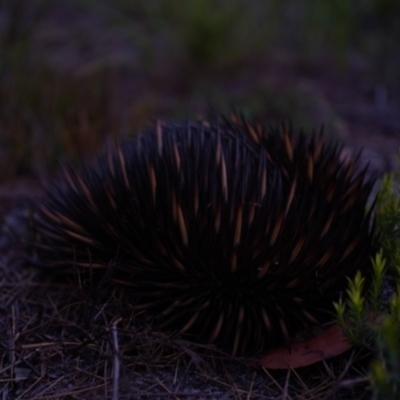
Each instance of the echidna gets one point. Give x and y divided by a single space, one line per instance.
229 232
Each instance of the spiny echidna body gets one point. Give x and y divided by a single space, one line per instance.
228 232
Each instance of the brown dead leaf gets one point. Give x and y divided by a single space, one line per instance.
331 342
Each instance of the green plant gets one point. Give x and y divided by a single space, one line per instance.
352 314
388 217
379 328
385 369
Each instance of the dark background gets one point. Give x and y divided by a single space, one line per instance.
74 74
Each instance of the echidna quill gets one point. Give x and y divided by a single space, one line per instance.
227 232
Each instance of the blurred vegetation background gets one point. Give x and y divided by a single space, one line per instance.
76 74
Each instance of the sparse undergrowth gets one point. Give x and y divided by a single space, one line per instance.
372 320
